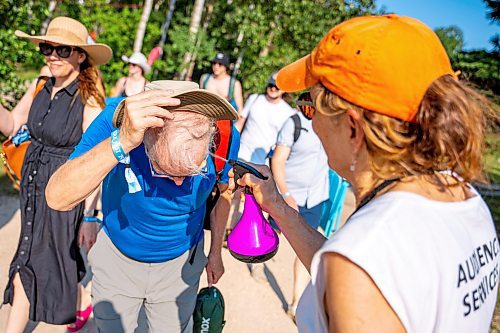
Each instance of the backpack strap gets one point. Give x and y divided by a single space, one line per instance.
298 128
204 80
40 84
230 93
249 110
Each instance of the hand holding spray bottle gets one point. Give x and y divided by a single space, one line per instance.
252 240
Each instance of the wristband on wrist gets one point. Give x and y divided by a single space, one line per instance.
116 145
91 219
286 195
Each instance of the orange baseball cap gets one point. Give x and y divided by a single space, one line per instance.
382 63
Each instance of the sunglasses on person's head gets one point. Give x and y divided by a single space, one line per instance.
63 51
306 105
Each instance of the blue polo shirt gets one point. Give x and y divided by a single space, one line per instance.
163 220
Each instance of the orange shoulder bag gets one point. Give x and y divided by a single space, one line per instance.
12 155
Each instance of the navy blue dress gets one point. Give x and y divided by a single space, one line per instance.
48 259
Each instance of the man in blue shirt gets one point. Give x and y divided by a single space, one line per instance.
152 156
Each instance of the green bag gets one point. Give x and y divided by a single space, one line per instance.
208 313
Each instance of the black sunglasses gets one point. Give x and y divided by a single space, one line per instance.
273 86
63 51
306 105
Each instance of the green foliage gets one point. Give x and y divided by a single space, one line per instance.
493 13
481 68
15 51
274 33
452 38
288 29
493 10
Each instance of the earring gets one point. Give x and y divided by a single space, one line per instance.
352 167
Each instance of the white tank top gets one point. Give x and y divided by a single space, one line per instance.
436 263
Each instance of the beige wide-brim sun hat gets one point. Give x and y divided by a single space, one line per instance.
192 99
67 31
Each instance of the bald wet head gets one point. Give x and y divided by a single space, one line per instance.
180 147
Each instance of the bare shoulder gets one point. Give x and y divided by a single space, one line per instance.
121 81
353 301
90 112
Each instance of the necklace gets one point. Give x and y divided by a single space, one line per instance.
367 198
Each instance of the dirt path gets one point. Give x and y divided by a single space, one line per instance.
251 306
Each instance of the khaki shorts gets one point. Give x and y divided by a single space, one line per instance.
121 286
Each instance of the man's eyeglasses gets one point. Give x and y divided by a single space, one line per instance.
273 86
156 174
63 51
306 105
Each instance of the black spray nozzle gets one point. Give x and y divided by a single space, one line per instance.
240 169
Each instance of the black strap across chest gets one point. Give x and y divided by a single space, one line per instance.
367 198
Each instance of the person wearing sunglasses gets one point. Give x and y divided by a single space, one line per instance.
259 124
151 152
135 82
420 253
300 169
261 119
47 266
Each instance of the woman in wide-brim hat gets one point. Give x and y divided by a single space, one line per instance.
47 266
135 82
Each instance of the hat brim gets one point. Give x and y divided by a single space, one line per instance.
200 101
296 76
222 62
99 53
145 67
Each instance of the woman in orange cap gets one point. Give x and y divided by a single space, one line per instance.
47 266
420 253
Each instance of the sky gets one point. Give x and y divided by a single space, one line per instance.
468 15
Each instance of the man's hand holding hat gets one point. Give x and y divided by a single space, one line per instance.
143 111
137 113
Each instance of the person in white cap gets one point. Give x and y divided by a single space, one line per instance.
47 266
152 154
135 82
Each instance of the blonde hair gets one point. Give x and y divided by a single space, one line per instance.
181 143
448 133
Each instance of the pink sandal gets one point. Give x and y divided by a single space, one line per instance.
81 319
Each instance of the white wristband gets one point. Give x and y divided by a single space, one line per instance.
286 195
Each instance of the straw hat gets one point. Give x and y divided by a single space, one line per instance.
192 99
139 59
67 31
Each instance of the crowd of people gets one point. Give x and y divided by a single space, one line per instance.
381 106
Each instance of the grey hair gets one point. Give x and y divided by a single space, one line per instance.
180 146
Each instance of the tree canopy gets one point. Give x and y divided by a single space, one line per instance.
260 36
266 34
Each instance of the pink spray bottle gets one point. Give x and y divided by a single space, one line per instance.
252 240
